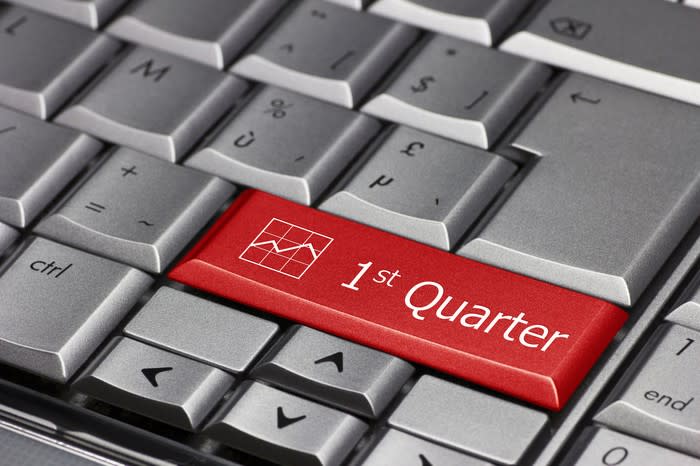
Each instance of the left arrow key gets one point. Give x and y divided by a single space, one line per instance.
155 383
152 372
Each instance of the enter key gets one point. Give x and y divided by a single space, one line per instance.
661 401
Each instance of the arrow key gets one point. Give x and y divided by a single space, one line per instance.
286 429
155 383
396 447
329 369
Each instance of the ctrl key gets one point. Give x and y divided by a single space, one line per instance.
57 304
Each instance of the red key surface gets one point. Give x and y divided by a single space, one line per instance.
507 332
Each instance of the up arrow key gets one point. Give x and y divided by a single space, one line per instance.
284 421
335 358
152 372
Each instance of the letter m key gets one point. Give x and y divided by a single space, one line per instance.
148 70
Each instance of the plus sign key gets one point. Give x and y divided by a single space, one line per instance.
507 332
137 209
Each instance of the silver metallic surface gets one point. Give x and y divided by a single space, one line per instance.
688 313
398 448
37 160
284 428
45 60
158 103
481 21
354 4
639 43
352 377
58 304
21 447
661 401
327 51
137 209
7 237
467 420
619 449
202 330
155 383
212 32
423 187
286 144
90 13
459 90
616 188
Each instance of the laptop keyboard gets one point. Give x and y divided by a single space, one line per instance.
350 232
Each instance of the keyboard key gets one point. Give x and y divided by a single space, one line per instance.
603 208
134 104
661 402
137 209
460 90
401 297
607 447
155 383
605 40
481 21
212 32
422 187
199 329
45 60
7 237
396 447
38 160
688 313
495 429
90 13
286 144
279 427
351 377
59 304
327 51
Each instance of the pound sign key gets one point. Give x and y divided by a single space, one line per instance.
411 147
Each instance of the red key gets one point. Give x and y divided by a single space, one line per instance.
507 332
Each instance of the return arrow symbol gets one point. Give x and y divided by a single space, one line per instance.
152 372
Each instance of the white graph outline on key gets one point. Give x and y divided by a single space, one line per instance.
276 250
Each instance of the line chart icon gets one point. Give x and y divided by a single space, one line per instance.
286 248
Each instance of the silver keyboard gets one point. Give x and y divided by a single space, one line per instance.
556 139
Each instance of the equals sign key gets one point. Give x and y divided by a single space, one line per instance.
95 207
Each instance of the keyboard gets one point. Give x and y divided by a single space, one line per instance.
350 232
